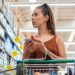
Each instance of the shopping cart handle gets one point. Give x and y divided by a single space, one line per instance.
46 61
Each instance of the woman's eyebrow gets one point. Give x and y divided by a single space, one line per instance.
35 13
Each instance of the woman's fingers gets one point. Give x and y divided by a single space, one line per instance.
35 39
30 44
32 47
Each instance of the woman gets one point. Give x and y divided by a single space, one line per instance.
46 41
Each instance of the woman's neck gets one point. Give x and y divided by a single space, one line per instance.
43 31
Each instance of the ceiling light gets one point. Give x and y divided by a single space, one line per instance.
32 1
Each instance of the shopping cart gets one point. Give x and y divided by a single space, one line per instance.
62 67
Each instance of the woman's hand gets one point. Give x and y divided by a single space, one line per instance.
37 44
32 46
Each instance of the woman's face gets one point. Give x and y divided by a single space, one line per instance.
38 18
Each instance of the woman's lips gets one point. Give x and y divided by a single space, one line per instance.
33 22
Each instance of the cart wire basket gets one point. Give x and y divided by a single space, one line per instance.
47 67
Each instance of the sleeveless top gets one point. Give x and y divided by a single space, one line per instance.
51 45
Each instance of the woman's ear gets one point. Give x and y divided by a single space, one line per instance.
46 18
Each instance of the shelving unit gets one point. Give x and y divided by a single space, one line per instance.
11 30
5 25
4 57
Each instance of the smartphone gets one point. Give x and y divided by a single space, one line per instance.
27 40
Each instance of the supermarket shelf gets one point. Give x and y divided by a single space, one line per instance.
7 21
8 72
7 54
7 31
10 37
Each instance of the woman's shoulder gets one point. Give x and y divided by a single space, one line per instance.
59 38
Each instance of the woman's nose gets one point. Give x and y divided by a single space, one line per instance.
33 17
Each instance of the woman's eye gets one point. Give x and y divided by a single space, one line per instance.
36 14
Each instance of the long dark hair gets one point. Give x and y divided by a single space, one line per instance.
50 23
